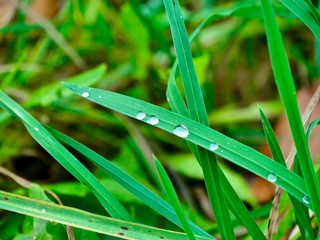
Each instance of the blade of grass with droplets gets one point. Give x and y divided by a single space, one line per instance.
234 202
302 219
177 104
198 113
173 198
198 134
285 84
84 220
126 181
65 158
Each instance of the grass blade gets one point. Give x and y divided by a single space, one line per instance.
65 158
188 74
84 220
173 198
200 135
287 93
198 113
299 209
128 182
234 202
307 13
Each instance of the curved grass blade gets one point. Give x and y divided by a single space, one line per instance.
84 220
307 13
311 126
285 84
299 209
128 182
65 158
200 135
173 198
198 113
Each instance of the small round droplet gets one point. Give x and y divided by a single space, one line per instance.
85 94
99 97
272 177
36 129
43 210
181 131
181 17
153 120
213 146
140 115
306 199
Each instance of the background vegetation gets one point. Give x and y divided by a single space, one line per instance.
127 47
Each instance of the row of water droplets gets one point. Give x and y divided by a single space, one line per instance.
180 130
183 132
86 95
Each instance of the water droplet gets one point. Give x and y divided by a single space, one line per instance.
36 129
17 112
181 131
153 120
99 97
140 115
85 94
221 151
213 146
43 210
272 177
306 199
181 17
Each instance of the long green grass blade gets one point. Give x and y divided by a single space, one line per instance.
188 74
287 93
198 113
84 220
234 202
128 182
173 198
299 209
198 134
65 158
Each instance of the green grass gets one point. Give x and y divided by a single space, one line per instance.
121 195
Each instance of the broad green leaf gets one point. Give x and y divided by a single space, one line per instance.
286 88
84 220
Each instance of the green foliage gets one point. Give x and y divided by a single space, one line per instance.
214 76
